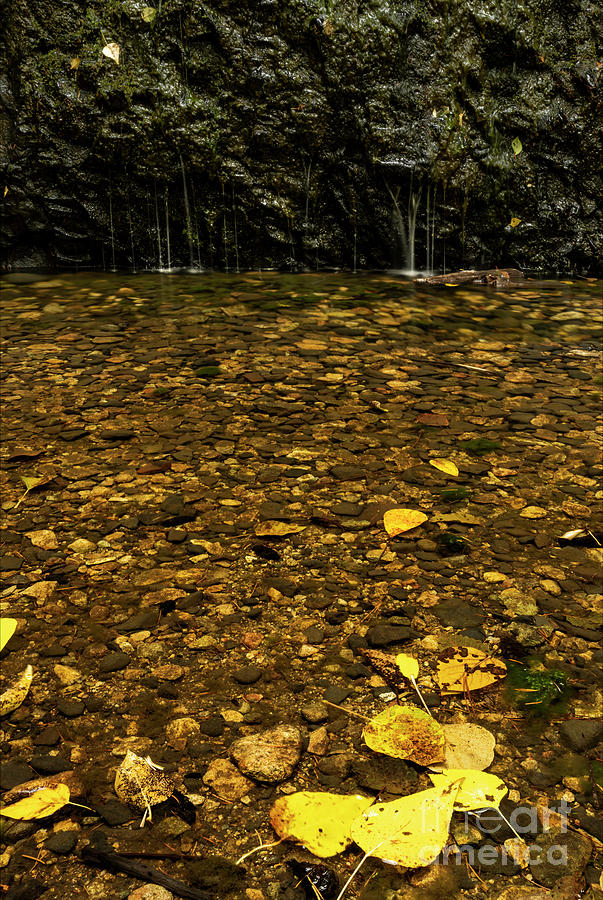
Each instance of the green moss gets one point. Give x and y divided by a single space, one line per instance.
535 690
480 445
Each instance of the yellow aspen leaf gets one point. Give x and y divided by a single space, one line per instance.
396 521
405 732
111 50
75 63
468 746
517 146
407 832
444 465
42 803
14 696
149 14
463 669
7 629
408 665
319 821
514 222
476 789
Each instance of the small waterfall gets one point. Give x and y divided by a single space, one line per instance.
407 227
158 228
307 173
187 210
113 269
167 230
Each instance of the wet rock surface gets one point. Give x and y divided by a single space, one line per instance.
158 621
294 133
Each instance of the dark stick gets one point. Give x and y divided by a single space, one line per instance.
116 863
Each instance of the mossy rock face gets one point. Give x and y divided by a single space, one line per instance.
293 125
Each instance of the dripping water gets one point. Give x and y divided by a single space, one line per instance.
236 237
433 225
159 253
131 234
113 269
407 228
187 210
167 230
225 241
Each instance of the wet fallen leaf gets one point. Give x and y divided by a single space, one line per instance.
148 14
111 50
476 789
42 803
407 832
517 146
75 63
384 665
14 696
467 746
444 465
433 419
405 732
408 665
319 821
32 481
7 629
277 529
396 521
462 669
515 222
142 784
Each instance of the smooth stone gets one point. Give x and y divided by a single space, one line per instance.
48 737
336 694
458 614
212 727
44 539
62 842
269 755
383 635
557 854
581 734
114 662
247 675
14 772
50 765
115 813
53 651
151 892
517 603
71 709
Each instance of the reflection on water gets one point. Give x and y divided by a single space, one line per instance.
562 311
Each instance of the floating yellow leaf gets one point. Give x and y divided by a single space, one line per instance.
43 803
396 521
408 665
406 733
514 222
462 669
12 698
142 784
477 790
321 822
7 629
444 465
112 51
407 832
277 529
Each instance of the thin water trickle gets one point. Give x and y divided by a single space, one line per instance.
226 269
158 227
167 231
187 210
407 228
236 234
131 235
113 267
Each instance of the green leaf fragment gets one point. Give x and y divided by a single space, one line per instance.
517 146
148 14
30 481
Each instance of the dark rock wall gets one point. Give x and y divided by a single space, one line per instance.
299 132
